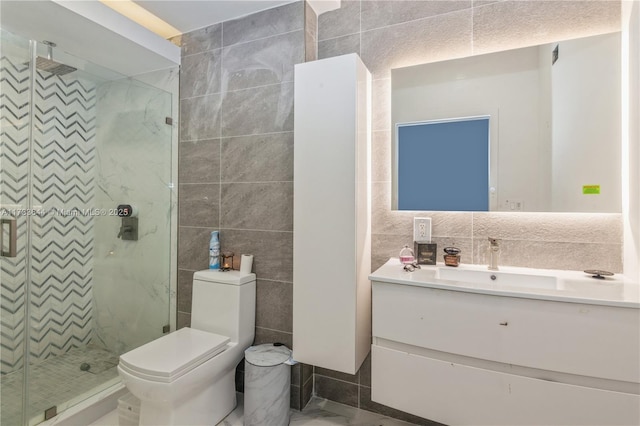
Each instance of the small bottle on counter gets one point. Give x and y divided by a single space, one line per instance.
406 255
452 256
214 250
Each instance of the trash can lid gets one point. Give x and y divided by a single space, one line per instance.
267 355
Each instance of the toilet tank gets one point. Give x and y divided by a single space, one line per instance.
224 303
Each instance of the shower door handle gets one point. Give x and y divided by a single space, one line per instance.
13 237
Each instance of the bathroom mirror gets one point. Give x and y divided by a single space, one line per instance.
554 119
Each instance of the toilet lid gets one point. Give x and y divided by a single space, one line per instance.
171 356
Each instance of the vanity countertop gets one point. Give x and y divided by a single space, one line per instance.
543 284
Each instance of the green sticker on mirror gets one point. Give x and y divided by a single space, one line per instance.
590 189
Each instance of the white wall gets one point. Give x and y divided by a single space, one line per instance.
586 129
545 126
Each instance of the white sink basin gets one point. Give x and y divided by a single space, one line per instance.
498 278
543 284
596 288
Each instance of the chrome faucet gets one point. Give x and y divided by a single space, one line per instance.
494 253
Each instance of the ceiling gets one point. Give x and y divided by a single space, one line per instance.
87 29
189 15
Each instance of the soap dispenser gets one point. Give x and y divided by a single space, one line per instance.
214 250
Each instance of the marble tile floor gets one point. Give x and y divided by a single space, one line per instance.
318 412
56 381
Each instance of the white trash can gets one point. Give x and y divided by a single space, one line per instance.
267 382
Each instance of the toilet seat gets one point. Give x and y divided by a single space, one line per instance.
170 357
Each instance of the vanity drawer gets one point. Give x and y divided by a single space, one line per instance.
457 394
589 340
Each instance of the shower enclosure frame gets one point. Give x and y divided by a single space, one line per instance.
170 82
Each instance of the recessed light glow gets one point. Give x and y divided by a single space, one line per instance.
143 17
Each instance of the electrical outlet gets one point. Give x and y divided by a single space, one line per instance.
513 205
422 229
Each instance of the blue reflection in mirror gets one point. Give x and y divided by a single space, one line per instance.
444 164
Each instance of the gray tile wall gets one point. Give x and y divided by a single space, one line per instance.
236 160
391 34
236 150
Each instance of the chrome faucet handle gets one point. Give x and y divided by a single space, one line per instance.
494 250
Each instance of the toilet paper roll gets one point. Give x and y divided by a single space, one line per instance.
246 263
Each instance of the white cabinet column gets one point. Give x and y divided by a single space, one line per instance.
332 214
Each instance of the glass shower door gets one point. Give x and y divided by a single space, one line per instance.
92 284
15 127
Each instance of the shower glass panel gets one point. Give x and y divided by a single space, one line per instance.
15 126
94 284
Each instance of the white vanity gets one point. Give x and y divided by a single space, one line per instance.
467 346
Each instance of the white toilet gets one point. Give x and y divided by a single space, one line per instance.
188 377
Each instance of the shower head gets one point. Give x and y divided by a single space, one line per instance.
49 65
53 67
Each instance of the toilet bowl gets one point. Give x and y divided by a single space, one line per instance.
188 377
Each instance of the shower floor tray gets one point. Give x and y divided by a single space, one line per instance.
56 381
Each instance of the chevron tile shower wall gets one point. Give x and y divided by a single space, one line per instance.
62 181
14 97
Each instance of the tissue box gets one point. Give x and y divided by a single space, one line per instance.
425 253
